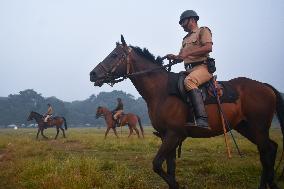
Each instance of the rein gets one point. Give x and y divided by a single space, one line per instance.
115 79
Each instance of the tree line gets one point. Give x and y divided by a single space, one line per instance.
15 108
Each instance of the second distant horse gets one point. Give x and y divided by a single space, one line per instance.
125 119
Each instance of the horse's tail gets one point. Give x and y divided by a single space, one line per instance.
65 123
280 116
141 128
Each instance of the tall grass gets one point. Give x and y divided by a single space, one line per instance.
85 160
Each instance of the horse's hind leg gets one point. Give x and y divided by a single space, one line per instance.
107 132
267 150
115 132
270 179
137 131
167 152
63 132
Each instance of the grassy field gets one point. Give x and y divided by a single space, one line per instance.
85 160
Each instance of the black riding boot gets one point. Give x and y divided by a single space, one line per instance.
195 97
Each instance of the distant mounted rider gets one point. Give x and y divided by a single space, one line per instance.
118 110
49 113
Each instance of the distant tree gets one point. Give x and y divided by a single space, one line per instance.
16 107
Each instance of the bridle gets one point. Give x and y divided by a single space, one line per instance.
110 78
103 113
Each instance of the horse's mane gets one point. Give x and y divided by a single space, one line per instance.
145 53
37 113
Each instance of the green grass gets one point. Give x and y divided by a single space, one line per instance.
85 160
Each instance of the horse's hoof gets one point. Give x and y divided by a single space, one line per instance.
262 187
273 186
175 186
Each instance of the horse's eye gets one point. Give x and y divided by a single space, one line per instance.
114 55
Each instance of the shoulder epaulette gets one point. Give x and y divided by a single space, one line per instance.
204 27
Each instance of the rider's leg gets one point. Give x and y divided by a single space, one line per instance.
196 77
46 118
115 117
45 121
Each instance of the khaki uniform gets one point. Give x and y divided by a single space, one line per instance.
48 113
198 74
118 110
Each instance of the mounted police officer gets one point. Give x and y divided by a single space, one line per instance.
196 46
118 111
48 114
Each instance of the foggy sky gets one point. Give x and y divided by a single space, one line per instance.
51 46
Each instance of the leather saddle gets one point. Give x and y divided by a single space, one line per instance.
49 122
224 89
117 121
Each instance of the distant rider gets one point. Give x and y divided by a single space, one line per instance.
49 113
118 111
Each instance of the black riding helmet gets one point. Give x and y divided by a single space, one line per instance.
188 14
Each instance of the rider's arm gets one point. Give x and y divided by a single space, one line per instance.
115 108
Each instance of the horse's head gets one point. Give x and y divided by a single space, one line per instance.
31 116
115 65
100 112
34 115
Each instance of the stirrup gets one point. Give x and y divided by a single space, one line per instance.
200 123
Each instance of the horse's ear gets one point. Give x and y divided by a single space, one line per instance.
123 41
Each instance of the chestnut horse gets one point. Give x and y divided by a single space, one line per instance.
55 121
129 119
251 115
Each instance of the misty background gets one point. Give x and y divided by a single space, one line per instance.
51 46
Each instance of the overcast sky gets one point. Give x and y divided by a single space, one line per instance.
51 46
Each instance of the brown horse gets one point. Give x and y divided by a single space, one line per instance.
129 119
250 115
55 121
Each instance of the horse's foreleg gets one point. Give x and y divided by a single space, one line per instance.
38 130
57 131
107 132
114 130
171 163
167 151
130 132
41 132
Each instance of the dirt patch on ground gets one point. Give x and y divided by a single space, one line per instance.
5 155
68 145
